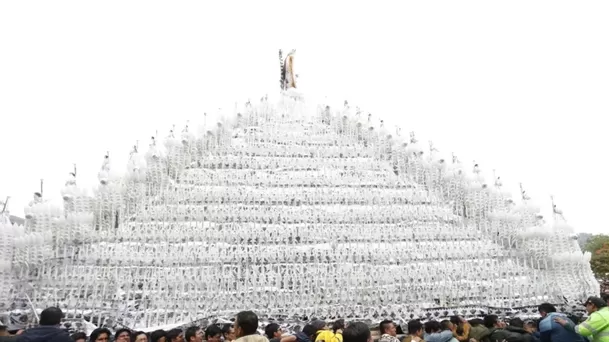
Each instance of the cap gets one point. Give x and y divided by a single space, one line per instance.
598 302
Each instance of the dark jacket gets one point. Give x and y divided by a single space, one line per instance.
526 336
500 335
550 331
44 334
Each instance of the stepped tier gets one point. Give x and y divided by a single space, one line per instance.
291 214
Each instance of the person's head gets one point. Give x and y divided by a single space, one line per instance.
594 304
246 323
338 325
272 330
122 335
79 337
415 328
319 325
387 327
100 335
309 330
432 327
174 335
493 321
139 336
530 326
545 309
4 330
193 334
516 322
51 316
474 322
446 325
229 332
213 333
158 336
357 332
456 320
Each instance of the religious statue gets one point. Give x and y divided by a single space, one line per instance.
288 77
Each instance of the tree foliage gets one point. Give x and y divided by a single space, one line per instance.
598 246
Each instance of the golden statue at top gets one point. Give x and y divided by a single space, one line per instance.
288 77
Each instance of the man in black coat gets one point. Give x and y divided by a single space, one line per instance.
48 330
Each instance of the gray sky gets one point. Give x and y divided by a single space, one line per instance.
519 86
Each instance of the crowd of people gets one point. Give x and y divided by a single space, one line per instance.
551 327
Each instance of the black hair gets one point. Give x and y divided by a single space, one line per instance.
78 336
432 327
338 325
383 325
212 330
248 322
173 333
191 332
157 334
3 328
456 320
474 322
136 334
546 308
445 324
490 320
517 322
270 330
414 326
226 328
309 330
51 316
356 332
120 331
95 334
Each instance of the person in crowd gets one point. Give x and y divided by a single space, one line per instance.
461 327
434 333
246 326
100 335
122 335
273 332
477 329
531 327
447 325
497 331
596 327
388 331
213 333
193 334
228 331
357 332
338 326
5 335
174 335
158 336
415 331
324 334
306 335
79 337
48 329
552 331
516 325
139 336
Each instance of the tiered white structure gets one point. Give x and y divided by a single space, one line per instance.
289 214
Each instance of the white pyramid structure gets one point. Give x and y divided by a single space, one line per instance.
291 212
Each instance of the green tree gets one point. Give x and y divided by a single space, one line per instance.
596 242
600 262
598 246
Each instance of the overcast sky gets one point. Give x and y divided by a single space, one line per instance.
520 86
